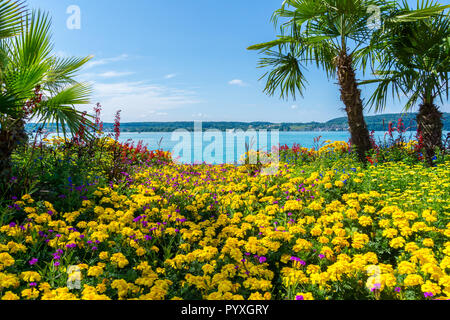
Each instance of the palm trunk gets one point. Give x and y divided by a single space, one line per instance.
351 97
11 136
429 124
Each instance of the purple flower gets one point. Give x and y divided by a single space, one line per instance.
71 245
428 294
299 298
376 286
33 261
321 256
12 224
33 284
94 248
56 264
398 289
262 259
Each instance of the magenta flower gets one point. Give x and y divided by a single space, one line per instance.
321 256
299 298
376 286
33 261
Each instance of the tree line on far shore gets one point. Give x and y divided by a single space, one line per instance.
375 123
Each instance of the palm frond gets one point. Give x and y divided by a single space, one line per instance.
60 109
286 72
11 15
33 45
63 70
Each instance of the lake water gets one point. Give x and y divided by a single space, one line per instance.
223 148
220 147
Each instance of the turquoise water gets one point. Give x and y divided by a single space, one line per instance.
198 148
227 151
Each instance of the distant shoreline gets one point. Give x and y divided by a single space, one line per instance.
375 123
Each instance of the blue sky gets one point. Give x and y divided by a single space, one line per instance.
180 60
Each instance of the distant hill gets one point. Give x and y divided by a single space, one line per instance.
376 123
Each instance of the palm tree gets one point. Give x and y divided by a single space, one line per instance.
415 63
36 85
336 36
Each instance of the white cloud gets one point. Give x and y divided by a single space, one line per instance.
94 63
114 74
293 107
90 76
140 101
170 76
237 82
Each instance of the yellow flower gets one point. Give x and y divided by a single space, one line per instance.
95 271
140 251
6 260
31 293
365 221
104 255
428 242
429 286
406 267
412 280
304 296
339 184
119 260
30 276
10 296
398 242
